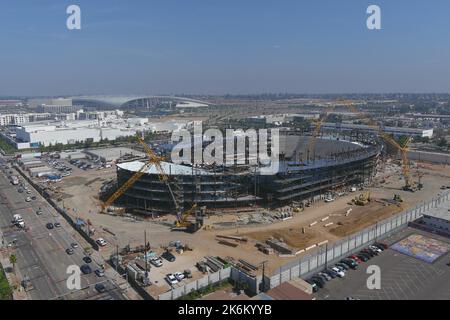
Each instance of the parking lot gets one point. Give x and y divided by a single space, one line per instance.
402 277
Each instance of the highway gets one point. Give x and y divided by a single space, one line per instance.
41 253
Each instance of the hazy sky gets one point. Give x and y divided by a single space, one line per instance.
223 46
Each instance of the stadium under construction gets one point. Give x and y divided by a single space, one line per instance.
334 165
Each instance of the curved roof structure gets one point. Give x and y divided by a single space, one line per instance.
118 101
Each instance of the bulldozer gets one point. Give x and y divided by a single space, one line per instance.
362 199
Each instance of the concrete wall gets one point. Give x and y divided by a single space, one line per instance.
330 254
440 158
195 285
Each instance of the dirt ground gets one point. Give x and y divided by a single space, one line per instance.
82 201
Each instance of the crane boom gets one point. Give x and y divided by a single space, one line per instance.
126 185
404 154
162 175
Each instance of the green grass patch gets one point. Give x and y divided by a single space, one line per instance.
5 290
194 295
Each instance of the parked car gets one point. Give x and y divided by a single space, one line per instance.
322 277
326 276
170 278
320 282
100 272
179 276
156 262
168 256
101 242
314 286
188 274
70 251
74 245
375 248
28 199
87 259
339 272
57 225
356 258
369 252
343 265
351 263
331 273
39 212
382 245
33 198
49 225
85 269
363 257
100 287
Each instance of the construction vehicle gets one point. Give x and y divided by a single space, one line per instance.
410 185
183 222
362 199
398 198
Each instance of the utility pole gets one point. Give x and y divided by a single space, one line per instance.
145 253
117 258
263 275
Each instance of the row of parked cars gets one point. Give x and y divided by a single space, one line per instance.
63 169
178 277
351 262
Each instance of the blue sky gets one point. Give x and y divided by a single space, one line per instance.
216 47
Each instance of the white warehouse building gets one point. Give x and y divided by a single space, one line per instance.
37 135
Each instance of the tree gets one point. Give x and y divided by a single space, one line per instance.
442 142
13 261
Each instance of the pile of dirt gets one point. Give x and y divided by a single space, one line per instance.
291 236
368 217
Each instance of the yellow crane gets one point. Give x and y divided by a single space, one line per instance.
183 221
153 159
410 185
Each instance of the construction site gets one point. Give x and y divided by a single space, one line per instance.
329 185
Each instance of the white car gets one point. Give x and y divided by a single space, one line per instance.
179 276
329 200
28 199
101 242
375 249
340 273
156 262
171 279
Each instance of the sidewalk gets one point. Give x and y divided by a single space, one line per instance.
14 278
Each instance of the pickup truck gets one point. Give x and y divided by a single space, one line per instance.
18 221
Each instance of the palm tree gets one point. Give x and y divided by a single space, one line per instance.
13 261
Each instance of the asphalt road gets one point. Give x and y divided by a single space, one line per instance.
41 253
